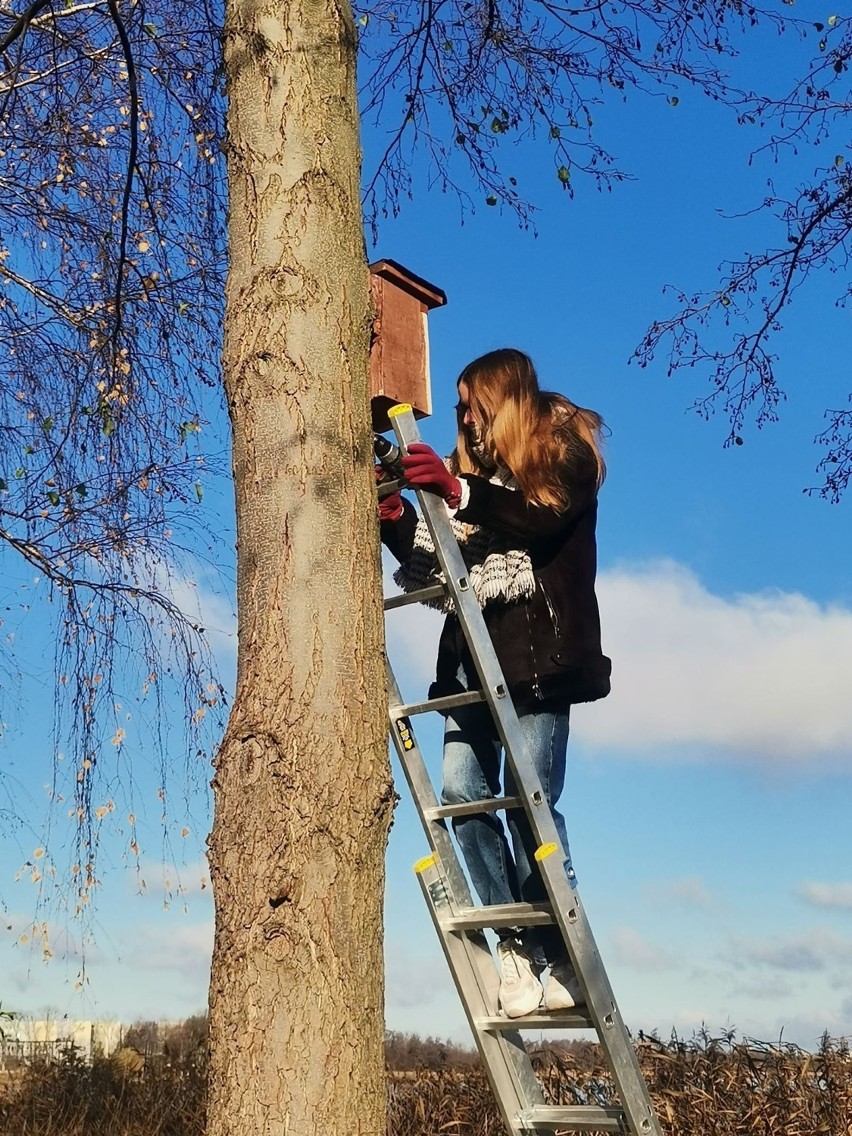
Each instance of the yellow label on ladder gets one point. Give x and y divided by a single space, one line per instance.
545 850
403 728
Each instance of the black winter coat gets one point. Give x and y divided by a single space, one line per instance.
549 646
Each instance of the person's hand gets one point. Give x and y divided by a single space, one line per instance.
424 469
390 507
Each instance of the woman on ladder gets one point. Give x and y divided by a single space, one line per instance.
521 488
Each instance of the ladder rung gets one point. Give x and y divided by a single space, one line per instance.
499 915
433 592
575 1118
553 1019
445 703
471 808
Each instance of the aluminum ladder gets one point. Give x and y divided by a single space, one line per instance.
460 923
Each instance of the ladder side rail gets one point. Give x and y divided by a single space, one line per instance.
564 895
504 1057
423 792
468 956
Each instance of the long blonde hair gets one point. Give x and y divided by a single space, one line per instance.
540 436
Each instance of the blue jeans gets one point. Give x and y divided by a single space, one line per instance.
472 765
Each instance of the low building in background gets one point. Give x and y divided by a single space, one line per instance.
25 1039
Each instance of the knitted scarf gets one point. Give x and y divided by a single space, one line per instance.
497 571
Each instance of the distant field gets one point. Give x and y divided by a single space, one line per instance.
705 1087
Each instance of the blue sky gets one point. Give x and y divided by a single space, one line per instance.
708 798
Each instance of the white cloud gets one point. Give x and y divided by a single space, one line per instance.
760 676
144 970
629 948
826 895
211 610
770 989
689 891
817 949
186 950
34 942
414 977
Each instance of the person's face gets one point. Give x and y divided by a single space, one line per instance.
467 416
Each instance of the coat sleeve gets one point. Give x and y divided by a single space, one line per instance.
398 536
508 511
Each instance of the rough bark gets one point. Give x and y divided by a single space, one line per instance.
302 786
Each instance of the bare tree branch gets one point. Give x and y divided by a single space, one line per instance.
744 378
111 269
132 154
21 24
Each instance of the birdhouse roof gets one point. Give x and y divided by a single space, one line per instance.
428 294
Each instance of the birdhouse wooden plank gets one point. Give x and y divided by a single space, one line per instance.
399 353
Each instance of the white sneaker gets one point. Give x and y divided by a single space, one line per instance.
520 989
563 990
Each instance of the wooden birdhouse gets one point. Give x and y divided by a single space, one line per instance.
399 353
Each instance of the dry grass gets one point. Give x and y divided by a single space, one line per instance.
69 1097
715 1087
704 1087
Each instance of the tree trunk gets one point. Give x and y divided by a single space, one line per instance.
302 788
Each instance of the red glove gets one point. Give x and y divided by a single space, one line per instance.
425 470
390 507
